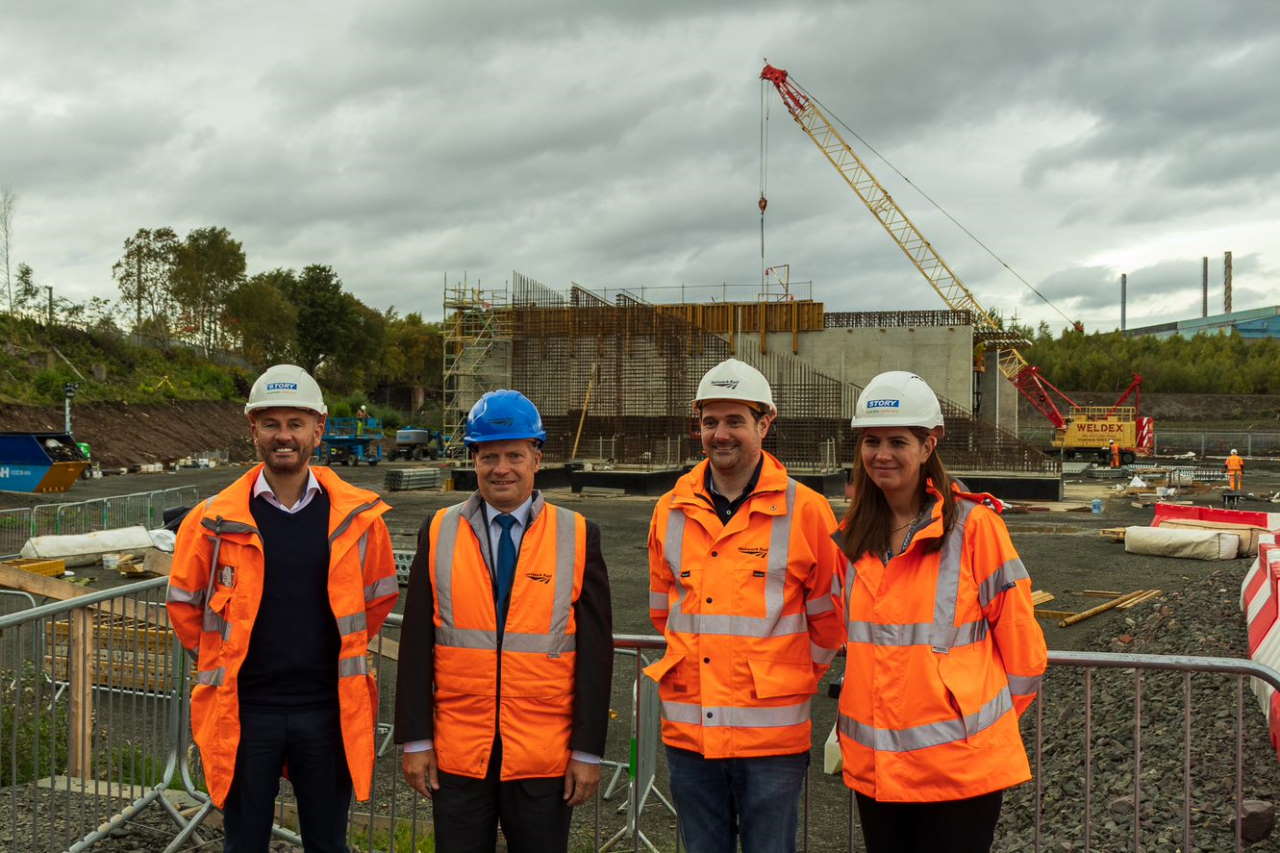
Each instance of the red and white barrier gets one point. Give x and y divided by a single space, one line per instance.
1168 512
1260 601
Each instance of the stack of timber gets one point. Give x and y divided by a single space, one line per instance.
1115 599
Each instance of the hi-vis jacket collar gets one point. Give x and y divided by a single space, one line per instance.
933 529
474 512
228 511
691 489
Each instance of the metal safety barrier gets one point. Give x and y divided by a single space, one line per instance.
56 519
94 733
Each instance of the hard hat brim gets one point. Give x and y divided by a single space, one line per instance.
513 436
250 408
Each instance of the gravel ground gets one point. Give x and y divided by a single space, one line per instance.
1197 615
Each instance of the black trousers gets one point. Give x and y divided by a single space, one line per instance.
532 812
311 743
953 826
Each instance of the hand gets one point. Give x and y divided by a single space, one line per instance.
580 782
420 772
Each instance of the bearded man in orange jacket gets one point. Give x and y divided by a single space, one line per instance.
740 567
278 582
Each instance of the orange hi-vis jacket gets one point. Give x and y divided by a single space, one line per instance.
944 653
1235 462
215 588
747 612
518 683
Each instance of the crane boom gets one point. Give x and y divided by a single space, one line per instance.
904 232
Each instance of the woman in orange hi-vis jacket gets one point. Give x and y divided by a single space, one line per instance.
943 648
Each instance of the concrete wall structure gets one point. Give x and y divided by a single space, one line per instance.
942 355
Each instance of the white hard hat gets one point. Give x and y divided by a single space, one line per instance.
1234 451
735 380
897 398
286 386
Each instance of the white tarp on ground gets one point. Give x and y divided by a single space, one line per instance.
83 549
1248 533
1189 544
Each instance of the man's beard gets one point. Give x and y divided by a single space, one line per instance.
281 466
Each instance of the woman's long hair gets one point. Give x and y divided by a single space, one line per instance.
867 525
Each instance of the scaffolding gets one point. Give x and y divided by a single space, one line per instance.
477 351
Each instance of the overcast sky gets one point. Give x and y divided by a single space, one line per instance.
618 144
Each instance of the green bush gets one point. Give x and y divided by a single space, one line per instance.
48 384
382 842
34 735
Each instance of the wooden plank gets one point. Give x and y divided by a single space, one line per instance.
1053 614
1103 593
1039 596
1144 595
1101 608
80 690
60 590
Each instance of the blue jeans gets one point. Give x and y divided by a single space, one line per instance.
720 800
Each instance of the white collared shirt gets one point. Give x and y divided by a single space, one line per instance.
521 514
262 489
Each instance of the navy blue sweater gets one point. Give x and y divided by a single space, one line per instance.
293 652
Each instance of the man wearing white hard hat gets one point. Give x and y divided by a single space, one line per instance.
740 566
1235 470
278 583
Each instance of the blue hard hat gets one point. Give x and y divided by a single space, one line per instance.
503 416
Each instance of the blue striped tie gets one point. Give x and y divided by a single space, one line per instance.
506 568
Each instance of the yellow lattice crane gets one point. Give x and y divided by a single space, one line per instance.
1083 428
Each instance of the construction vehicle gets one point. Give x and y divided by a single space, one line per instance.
418 443
1083 431
350 441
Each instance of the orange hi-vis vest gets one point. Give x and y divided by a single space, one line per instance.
1235 462
747 612
215 588
944 653
518 683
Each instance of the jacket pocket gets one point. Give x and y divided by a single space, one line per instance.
774 678
664 673
962 683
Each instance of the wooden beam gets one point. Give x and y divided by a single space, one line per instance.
81 655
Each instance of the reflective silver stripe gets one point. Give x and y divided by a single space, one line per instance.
351 516
566 553
821 656
773 623
381 587
659 601
211 676
213 622
177 595
446 541
746 717
351 624
479 638
221 525
913 633
352 666
1024 685
929 734
362 544
213 566
735 626
947 591
1001 579
814 606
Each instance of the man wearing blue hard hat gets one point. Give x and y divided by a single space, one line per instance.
502 695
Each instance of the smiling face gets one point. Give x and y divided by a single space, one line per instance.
732 435
286 438
504 471
893 457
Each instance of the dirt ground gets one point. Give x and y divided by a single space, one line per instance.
1062 550
123 435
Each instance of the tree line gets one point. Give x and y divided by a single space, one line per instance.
1204 364
197 290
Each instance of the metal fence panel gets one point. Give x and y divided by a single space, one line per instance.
74 517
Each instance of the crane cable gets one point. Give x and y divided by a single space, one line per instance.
929 199
764 172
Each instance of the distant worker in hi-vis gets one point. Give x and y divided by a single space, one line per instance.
278 582
740 566
944 652
1235 471
1113 450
